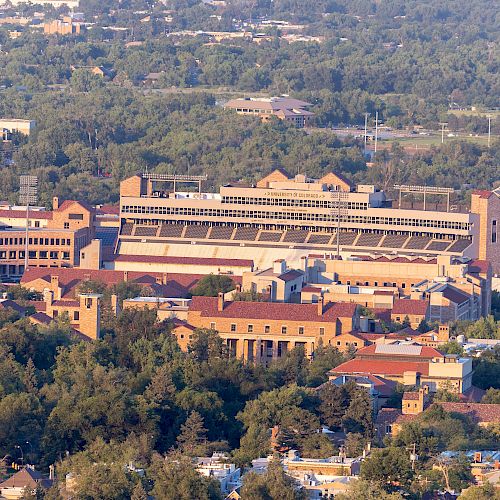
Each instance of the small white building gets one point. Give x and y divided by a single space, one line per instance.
218 468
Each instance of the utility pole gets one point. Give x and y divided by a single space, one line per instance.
489 131
28 190
443 125
376 130
366 126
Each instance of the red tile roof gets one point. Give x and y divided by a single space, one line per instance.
478 412
311 289
482 193
10 304
426 352
272 310
409 306
200 261
21 214
108 210
392 416
411 396
479 266
381 368
291 275
70 278
67 203
455 295
66 303
41 317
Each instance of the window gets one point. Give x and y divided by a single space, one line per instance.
267 329
37 223
321 331
66 225
375 283
283 329
76 315
250 328
75 216
398 318
301 330
493 231
338 342
388 429
403 285
233 327
212 326
55 314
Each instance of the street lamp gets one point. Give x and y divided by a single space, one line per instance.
22 453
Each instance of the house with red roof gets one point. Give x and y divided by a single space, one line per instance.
412 310
410 364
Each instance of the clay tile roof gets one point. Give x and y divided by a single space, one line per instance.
67 203
66 303
10 304
41 317
290 275
482 193
424 352
478 412
455 295
411 396
382 367
391 416
311 289
272 310
21 214
410 306
479 266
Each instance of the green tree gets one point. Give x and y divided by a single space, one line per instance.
367 490
388 467
491 396
175 477
212 284
485 492
359 414
334 403
29 380
193 437
273 484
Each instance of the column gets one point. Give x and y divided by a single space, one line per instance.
240 348
275 349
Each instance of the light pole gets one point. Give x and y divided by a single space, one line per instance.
489 130
376 130
366 127
443 125
28 190
22 453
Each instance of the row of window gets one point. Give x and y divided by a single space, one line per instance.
39 254
267 329
293 215
292 202
36 241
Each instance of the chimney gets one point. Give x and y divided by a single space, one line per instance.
238 288
115 304
51 472
54 281
164 277
269 291
55 203
279 266
320 305
125 275
220 302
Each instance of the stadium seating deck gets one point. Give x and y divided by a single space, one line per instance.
394 240
438 245
459 245
270 236
171 230
319 238
368 240
246 233
417 242
195 231
127 229
145 230
221 233
295 236
346 238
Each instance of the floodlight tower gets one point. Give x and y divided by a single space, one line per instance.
28 192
